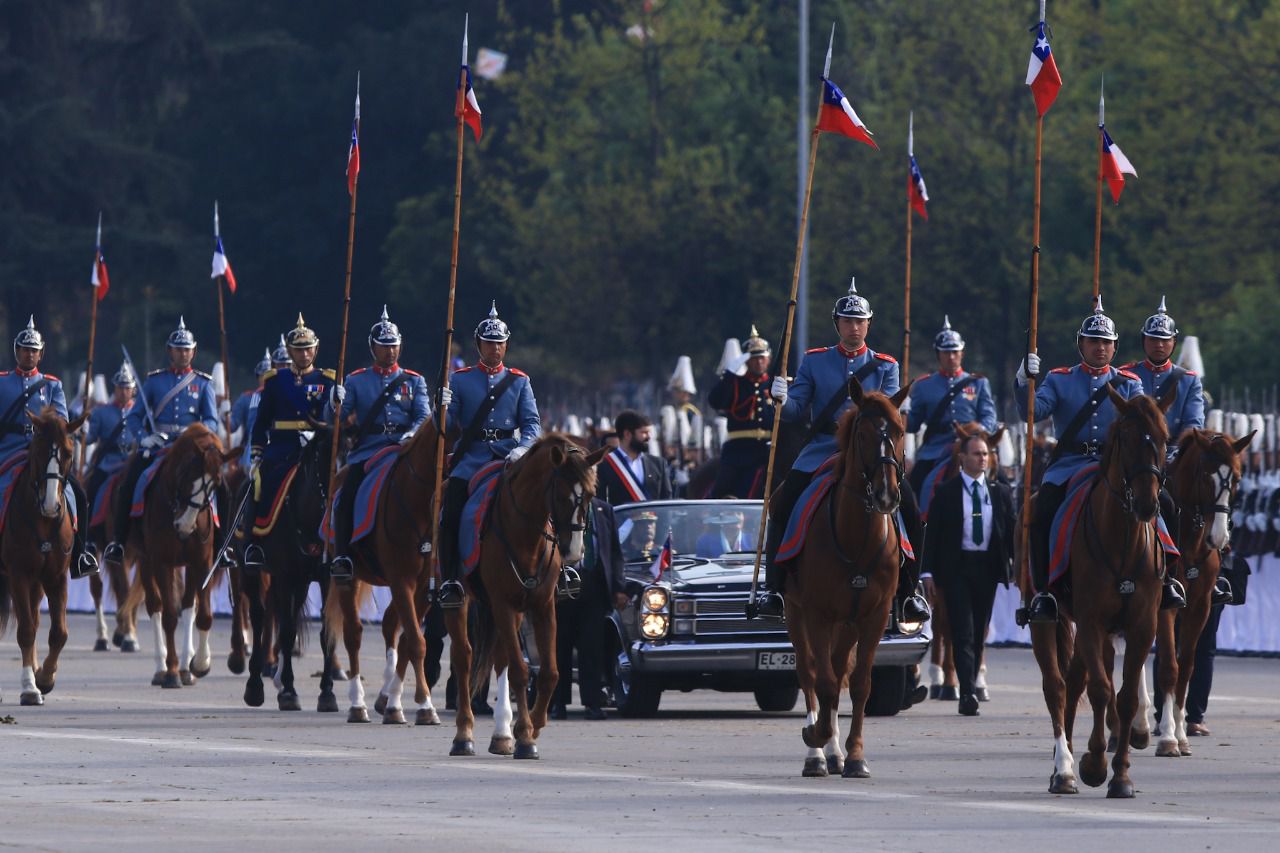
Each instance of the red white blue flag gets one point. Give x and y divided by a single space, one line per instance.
1114 164
916 191
98 278
1042 73
353 153
467 107
836 114
221 266
663 561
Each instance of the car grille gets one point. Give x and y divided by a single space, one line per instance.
740 625
720 606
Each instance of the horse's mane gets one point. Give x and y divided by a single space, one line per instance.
196 437
873 404
584 473
1145 409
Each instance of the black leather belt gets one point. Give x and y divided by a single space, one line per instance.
1088 448
491 434
393 429
17 429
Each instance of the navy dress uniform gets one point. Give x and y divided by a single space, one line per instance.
388 404
972 402
510 428
745 403
290 400
1062 396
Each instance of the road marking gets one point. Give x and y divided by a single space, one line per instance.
186 745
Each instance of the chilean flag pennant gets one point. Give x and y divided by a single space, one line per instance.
663 561
1114 164
353 153
98 278
467 106
1042 71
836 114
916 191
221 266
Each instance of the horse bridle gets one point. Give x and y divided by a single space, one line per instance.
577 524
1225 489
38 482
200 500
1129 474
888 458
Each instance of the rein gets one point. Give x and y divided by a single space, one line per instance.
200 500
1220 502
38 482
887 459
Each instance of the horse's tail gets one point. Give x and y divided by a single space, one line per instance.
333 618
483 632
4 602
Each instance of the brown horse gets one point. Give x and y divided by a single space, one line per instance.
176 532
125 635
534 526
35 549
842 583
1113 587
1203 481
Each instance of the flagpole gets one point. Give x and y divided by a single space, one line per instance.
226 368
1024 535
906 298
442 413
1097 219
93 335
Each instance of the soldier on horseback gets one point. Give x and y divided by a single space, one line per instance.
1076 398
388 403
109 430
173 398
289 404
823 381
494 407
25 389
941 400
744 400
245 404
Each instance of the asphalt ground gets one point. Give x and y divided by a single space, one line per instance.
110 762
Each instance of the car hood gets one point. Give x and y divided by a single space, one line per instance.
713 574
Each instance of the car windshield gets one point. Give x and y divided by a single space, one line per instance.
707 530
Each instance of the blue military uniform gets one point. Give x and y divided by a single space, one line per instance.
972 403
406 409
15 430
513 421
109 428
287 404
1187 411
194 403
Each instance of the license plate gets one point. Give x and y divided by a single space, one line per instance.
777 660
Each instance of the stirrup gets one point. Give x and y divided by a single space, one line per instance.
569 584
1172 595
341 569
254 558
768 605
914 608
451 594
113 553
85 566
1222 592
1043 608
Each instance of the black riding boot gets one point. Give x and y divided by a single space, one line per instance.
342 569
770 604
254 559
1043 606
911 605
451 593
83 563
114 552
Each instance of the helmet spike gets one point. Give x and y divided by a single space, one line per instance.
754 333
1097 303
301 323
493 310
1162 309
946 322
384 318
853 285
31 322
182 323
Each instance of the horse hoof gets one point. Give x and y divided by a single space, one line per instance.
269 670
235 663
287 700
835 765
327 703
358 715
526 750
200 672
338 674
393 717
1113 743
102 645
1168 749
502 745
1120 790
253 695
188 677
427 717
380 704
856 769
129 645
171 681
157 680
814 768
1093 769
1184 747
33 697
117 639
44 685
463 747
1060 783
1139 740
811 738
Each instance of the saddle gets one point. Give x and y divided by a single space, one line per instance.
273 485
377 468
475 513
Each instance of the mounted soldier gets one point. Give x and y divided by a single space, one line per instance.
943 399
289 405
387 403
171 399
243 406
744 401
109 431
1076 399
819 396
494 407
25 390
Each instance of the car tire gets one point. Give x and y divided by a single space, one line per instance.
634 695
777 699
888 690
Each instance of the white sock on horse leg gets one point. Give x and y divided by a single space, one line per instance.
502 714
834 747
186 638
395 691
204 653
935 675
1063 763
389 671
102 620
1168 720
1143 718
161 649
811 719
355 691
425 705
1180 724
28 680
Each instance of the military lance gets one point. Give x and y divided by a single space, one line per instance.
98 278
222 274
142 398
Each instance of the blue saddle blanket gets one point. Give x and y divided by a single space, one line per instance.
807 507
481 489
377 469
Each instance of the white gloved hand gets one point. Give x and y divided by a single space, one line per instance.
778 390
407 437
516 453
905 408
446 396
255 455
736 365
337 396
1029 369
156 439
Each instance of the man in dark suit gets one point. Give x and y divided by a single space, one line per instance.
630 472
968 549
580 621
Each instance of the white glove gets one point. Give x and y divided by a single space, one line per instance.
446 396
736 365
1029 369
778 390
337 396
151 442
905 408
516 453
255 455
407 437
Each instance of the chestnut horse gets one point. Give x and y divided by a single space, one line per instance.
1203 482
535 525
35 549
125 635
176 532
841 585
1113 583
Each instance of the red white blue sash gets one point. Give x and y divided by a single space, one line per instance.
622 467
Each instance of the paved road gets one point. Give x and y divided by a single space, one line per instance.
110 762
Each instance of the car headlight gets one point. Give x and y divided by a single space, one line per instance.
910 629
654 599
653 626
683 626
683 606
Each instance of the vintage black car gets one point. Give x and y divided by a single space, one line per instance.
687 629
